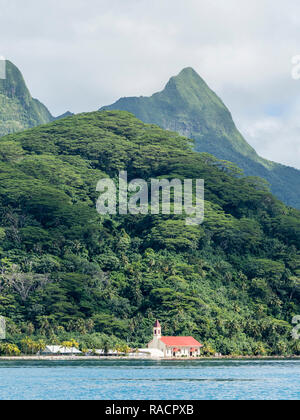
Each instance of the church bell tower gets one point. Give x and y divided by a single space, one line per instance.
157 330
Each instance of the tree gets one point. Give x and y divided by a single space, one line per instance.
8 349
208 350
71 344
40 345
23 283
28 346
123 349
175 235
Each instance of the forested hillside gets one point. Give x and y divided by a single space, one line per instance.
67 272
187 105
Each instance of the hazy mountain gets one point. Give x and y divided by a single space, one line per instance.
18 110
65 115
187 105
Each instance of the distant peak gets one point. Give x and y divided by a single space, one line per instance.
190 87
14 85
11 68
65 115
188 70
188 73
188 76
19 111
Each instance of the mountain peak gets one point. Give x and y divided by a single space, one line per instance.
188 105
189 74
65 115
14 84
188 77
188 71
18 110
192 95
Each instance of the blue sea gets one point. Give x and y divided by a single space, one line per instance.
150 380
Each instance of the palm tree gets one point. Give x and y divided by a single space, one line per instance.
106 346
28 345
40 346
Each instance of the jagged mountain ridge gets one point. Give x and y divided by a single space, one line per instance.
18 110
188 106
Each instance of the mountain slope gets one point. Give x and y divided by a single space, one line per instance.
67 272
18 110
187 105
65 115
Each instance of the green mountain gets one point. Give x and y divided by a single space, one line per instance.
65 115
18 110
187 105
68 273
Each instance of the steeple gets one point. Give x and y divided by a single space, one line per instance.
157 330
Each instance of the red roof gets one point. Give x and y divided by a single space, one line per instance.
157 324
181 341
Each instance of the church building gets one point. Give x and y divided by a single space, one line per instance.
174 346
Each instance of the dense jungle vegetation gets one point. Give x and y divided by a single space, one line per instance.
69 273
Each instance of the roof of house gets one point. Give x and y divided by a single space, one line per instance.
61 350
181 341
157 324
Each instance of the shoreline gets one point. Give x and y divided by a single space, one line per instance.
98 358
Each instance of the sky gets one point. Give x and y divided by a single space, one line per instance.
78 55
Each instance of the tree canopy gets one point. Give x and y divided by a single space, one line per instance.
67 272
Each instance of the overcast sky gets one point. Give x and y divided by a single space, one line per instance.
79 55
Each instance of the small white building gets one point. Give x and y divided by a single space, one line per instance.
61 351
174 346
153 353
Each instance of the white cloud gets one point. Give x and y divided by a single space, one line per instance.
277 138
79 55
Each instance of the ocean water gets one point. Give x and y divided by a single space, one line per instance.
146 380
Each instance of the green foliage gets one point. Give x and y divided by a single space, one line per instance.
174 235
7 349
68 273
